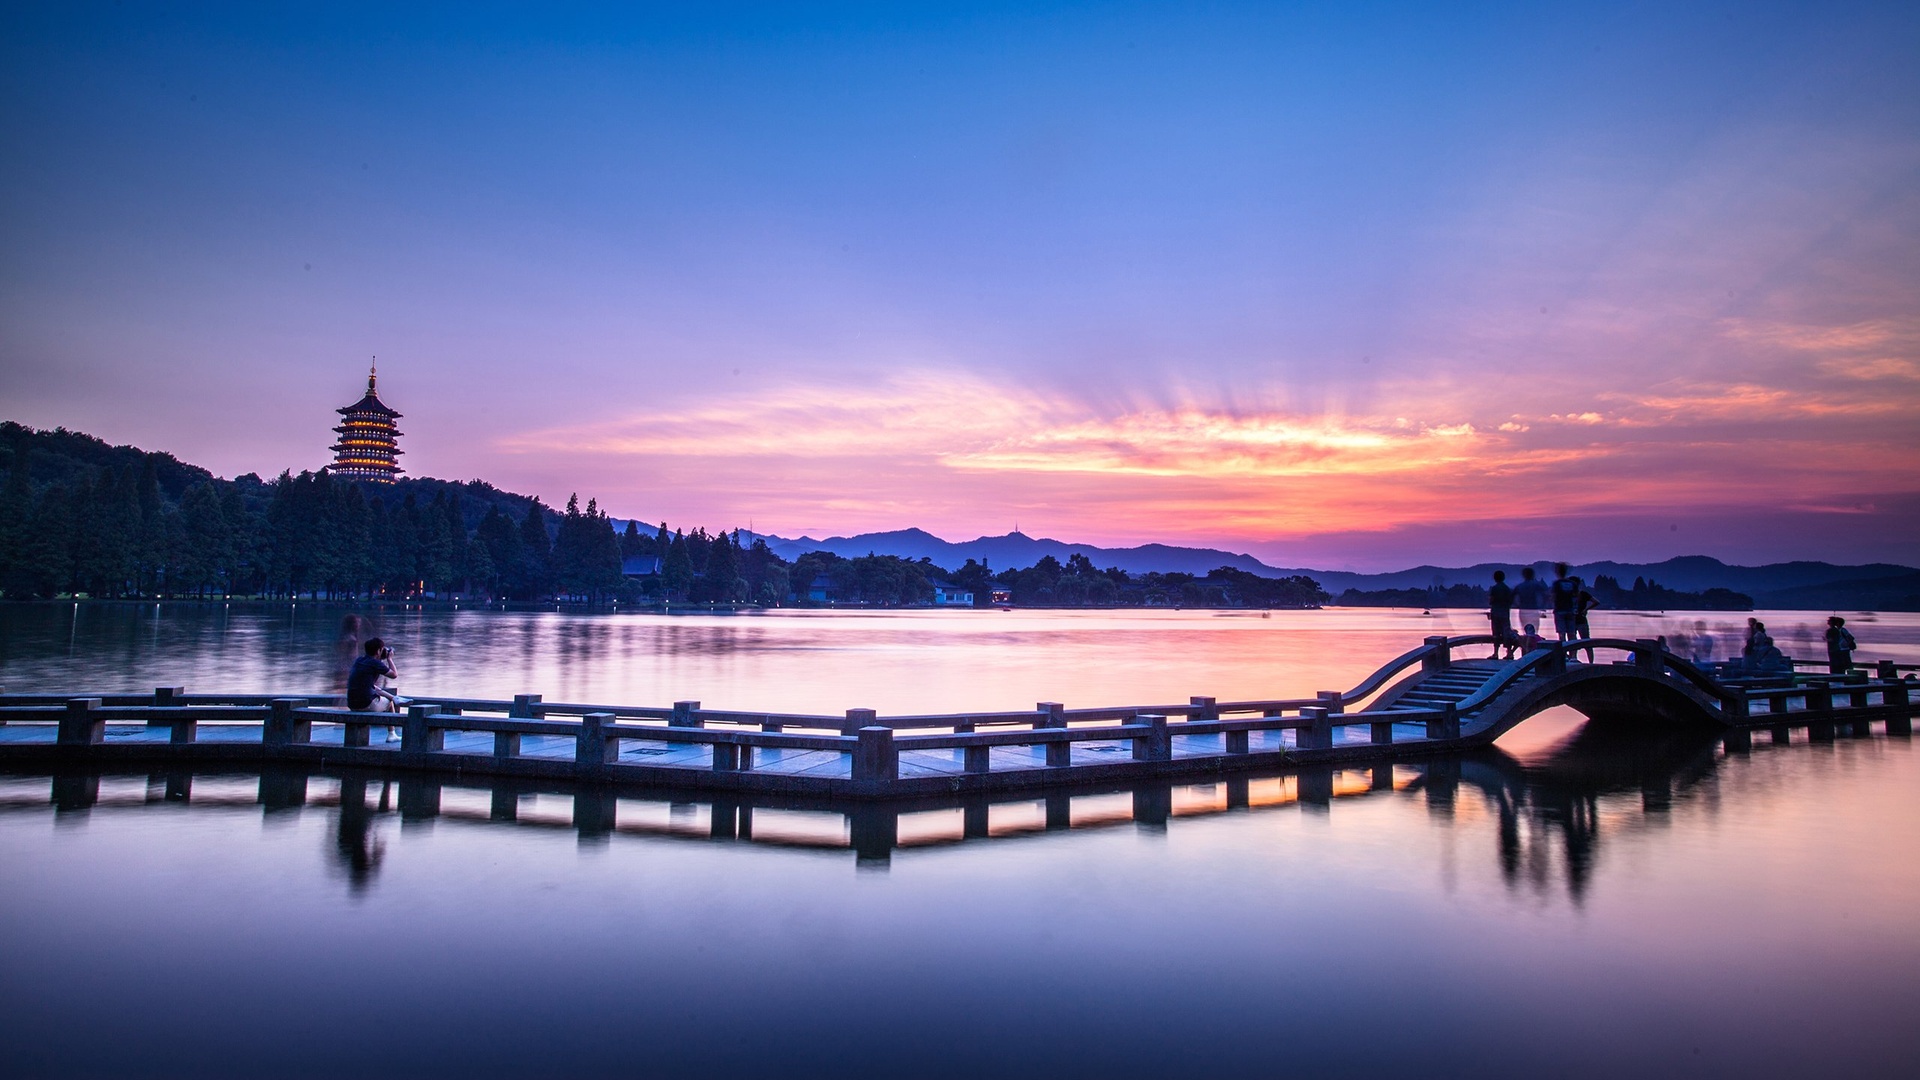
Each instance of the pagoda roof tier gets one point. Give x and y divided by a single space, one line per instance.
369 404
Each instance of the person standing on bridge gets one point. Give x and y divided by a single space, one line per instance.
1583 602
1530 596
1500 613
1566 602
1840 646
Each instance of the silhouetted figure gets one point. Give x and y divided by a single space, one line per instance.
1840 646
1530 596
1500 614
364 692
1583 602
1531 639
1566 602
1700 645
1762 656
1754 629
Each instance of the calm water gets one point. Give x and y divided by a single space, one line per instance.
1586 902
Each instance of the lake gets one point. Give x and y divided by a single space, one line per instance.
1585 900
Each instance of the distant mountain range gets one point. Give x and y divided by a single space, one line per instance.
1800 585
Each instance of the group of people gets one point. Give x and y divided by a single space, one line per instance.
1761 656
1567 598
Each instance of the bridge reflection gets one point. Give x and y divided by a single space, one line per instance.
1550 814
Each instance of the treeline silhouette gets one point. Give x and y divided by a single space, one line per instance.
79 517
1642 595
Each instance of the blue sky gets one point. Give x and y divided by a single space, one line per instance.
1492 280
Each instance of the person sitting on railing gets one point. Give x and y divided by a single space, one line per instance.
364 692
1763 657
1840 646
1531 639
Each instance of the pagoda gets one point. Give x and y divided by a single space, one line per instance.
367 448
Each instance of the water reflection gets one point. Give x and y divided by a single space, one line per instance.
1550 814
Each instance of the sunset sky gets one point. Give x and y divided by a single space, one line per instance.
1342 285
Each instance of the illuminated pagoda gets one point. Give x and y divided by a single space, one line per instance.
368 448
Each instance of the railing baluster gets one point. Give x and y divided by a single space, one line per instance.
1156 744
79 727
1053 717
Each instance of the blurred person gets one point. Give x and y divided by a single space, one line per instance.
1566 595
1840 646
1500 614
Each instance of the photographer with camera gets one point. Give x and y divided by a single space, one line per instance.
364 692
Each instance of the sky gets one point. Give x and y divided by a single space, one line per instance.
1352 286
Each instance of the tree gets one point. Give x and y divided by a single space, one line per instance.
676 571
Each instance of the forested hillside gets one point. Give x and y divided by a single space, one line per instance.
79 517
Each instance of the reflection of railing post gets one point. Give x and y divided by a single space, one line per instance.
1438 656
872 831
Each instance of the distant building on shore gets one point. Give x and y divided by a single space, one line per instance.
368 447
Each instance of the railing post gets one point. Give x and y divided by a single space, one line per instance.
1734 708
185 730
416 735
80 727
874 756
594 746
976 759
857 719
1241 742
1382 732
1317 731
166 697
1054 717
1646 655
1820 697
1440 656
1157 743
506 744
1330 700
1885 671
1447 724
1556 662
525 707
283 728
684 715
726 757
